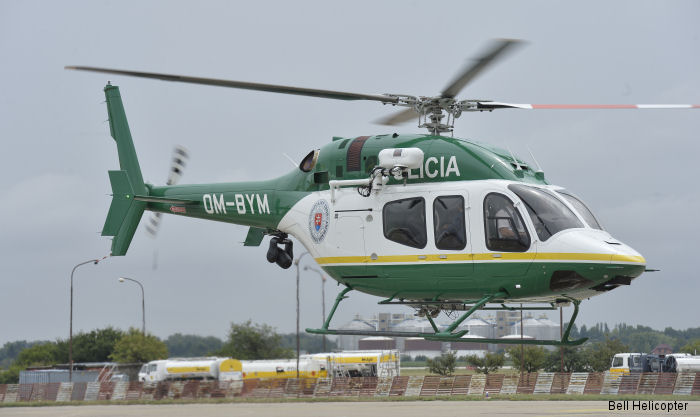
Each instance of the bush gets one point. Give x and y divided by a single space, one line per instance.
443 364
254 341
488 364
534 358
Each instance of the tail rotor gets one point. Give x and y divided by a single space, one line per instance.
177 167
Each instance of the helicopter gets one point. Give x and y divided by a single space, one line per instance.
429 221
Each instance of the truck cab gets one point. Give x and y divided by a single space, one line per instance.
152 371
624 363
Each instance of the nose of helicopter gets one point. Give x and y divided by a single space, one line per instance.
593 262
593 245
624 253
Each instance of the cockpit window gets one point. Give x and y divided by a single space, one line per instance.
309 161
547 212
505 229
581 208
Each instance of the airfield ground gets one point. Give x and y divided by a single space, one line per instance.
343 409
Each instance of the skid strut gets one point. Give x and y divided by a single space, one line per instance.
447 335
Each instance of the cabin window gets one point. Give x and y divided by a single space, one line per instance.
582 209
548 213
617 362
505 229
309 161
404 222
448 220
152 367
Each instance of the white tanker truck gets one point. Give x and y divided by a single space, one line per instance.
209 368
227 369
625 363
320 365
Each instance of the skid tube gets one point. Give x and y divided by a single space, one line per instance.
447 335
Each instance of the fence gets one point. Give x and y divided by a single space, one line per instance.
401 386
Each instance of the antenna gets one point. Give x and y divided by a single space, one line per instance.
515 161
294 164
539 168
539 174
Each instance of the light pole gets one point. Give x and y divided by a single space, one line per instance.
296 263
143 303
323 297
561 348
70 337
522 346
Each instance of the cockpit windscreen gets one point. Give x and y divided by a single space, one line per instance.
581 208
549 214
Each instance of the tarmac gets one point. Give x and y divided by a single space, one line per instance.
369 409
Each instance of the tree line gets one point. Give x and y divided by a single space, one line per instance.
640 338
593 356
245 340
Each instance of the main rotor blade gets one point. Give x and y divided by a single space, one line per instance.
497 50
399 117
491 105
311 92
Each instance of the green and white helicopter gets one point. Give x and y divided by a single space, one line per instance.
429 221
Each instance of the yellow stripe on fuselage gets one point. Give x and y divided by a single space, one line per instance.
462 257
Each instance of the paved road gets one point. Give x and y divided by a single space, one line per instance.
348 409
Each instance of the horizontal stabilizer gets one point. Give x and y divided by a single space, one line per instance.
124 213
255 237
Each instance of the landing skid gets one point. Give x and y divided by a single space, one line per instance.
447 335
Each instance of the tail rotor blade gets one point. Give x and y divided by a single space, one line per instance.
177 167
153 224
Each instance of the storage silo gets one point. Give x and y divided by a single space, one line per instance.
504 346
377 343
412 344
351 342
471 346
477 326
541 329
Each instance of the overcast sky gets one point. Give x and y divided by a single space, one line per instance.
635 168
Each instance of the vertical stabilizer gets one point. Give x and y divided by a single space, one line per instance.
124 212
119 129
